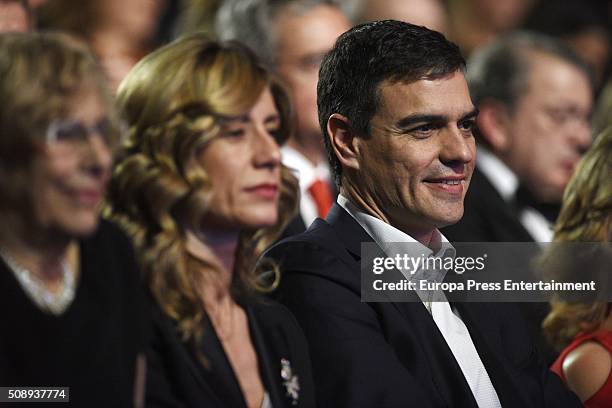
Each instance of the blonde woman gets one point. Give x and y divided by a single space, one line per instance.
584 331
71 301
202 191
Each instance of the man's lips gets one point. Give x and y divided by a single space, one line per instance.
264 190
451 184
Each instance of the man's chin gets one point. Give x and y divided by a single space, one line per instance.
450 220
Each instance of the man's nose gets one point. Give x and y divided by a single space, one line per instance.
581 136
457 148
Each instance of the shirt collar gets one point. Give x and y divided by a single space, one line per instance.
388 238
499 175
303 169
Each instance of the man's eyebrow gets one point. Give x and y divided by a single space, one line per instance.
470 115
411 120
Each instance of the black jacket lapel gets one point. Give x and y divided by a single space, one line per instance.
446 376
269 362
220 374
347 230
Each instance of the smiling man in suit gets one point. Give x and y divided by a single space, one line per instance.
397 121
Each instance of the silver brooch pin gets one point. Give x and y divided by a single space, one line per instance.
290 381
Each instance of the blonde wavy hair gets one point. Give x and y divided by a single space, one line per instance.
586 216
174 101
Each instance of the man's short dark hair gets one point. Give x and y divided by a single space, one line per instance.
370 54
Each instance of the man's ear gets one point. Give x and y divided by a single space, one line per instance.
342 137
494 125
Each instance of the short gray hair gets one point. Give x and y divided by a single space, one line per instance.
252 22
500 70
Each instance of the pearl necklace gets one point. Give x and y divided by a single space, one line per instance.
52 302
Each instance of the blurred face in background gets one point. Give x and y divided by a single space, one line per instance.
134 24
137 18
550 129
13 16
302 41
428 13
499 14
73 167
243 165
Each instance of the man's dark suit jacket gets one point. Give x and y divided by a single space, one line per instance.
296 226
487 217
388 355
176 378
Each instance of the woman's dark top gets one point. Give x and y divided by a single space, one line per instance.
176 378
92 346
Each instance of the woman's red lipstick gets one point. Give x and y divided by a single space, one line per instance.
264 190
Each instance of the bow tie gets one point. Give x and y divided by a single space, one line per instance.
524 198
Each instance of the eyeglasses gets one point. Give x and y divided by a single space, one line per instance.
76 134
564 117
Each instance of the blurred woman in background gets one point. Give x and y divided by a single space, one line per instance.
201 189
584 330
70 298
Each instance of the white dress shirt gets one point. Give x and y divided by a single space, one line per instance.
449 323
307 173
499 175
